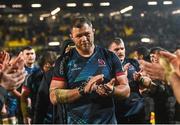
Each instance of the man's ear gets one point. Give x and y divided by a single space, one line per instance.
94 30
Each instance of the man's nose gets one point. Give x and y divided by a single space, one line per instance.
83 38
120 51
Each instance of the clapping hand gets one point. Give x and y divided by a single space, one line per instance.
12 71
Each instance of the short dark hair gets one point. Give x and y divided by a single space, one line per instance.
27 48
79 21
116 40
143 51
156 49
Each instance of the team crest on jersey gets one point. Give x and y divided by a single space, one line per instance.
101 63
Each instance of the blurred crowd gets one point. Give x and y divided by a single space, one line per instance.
161 29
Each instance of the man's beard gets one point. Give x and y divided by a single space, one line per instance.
85 47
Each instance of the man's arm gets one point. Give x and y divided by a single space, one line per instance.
59 93
122 89
24 105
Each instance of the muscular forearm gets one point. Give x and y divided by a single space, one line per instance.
64 95
175 83
24 106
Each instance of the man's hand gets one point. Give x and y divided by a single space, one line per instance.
12 80
4 60
91 85
106 89
172 59
12 74
144 80
154 70
169 63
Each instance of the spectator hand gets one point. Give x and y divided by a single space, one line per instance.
12 74
171 61
4 60
154 70
168 64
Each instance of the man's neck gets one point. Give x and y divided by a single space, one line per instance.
86 53
30 65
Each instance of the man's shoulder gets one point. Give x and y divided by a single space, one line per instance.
104 50
133 62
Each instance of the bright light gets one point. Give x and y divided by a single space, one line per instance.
126 9
142 14
71 4
2 6
55 43
127 15
145 40
104 4
35 5
114 13
10 16
41 18
53 17
20 15
87 4
176 12
30 14
167 2
101 14
55 11
16 6
152 3
45 15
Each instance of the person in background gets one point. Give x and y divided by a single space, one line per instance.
42 113
162 95
29 56
33 83
130 110
87 78
142 53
